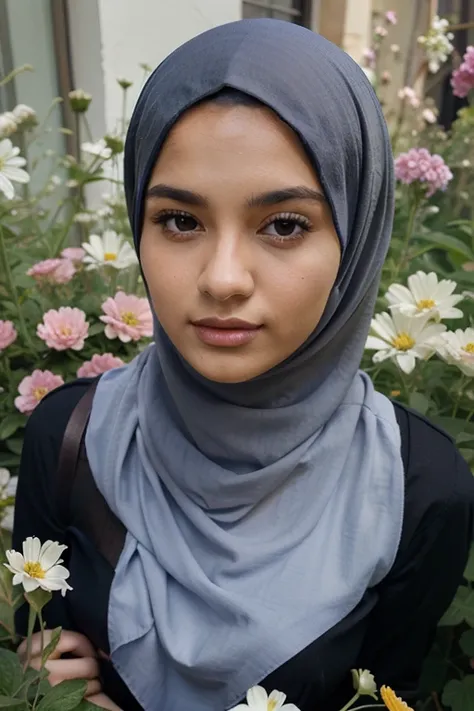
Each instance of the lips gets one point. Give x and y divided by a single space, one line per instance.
230 332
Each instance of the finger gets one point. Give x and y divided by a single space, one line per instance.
69 643
81 668
103 702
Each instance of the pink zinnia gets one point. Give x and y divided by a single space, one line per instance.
34 387
8 334
391 17
53 271
128 317
74 254
100 363
65 328
419 165
462 80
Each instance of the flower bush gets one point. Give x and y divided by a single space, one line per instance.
73 304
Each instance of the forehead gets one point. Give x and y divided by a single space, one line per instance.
231 138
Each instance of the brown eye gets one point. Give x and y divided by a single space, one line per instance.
286 227
181 223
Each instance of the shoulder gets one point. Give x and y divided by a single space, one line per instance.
439 486
47 423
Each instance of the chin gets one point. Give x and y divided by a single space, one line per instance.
228 372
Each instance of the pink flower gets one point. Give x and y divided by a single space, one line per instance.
380 31
53 271
65 328
8 334
409 94
419 165
34 387
369 57
74 254
391 17
128 317
462 79
99 364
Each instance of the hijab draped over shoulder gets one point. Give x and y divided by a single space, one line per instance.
258 513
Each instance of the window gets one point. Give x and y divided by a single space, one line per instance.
298 11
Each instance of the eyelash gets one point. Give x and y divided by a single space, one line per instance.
162 218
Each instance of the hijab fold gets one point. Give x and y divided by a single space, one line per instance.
258 513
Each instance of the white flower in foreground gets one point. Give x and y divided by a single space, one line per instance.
11 168
97 149
258 700
8 486
425 296
364 683
403 339
39 566
110 250
25 115
457 348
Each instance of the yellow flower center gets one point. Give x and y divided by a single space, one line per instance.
403 342
65 331
272 704
129 318
469 348
110 256
39 393
395 393
34 570
425 304
391 700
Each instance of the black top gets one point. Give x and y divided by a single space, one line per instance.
389 632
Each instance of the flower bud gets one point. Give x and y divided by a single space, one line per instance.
79 100
364 683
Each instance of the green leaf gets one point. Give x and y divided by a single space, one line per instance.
461 610
15 444
65 696
469 572
459 695
11 672
7 702
9 460
49 649
466 643
447 242
38 599
420 402
10 424
96 328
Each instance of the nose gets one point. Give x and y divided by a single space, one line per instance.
226 272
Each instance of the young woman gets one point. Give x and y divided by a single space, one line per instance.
274 534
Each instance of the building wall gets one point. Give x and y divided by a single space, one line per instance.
110 38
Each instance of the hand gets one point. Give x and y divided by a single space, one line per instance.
84 666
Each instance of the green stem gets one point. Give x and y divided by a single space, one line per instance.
31 626
40 617
351 702
408 235
59 244
87 127
15 72
13 293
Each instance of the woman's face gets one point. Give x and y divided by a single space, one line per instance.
238 247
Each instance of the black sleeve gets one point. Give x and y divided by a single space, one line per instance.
436 539
36 511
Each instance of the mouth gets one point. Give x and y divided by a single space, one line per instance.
227 333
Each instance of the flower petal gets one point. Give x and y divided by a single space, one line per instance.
406 361
257 698
50 554
16 561
31 549
30 584
374 343
6 187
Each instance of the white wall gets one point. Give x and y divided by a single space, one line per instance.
110 38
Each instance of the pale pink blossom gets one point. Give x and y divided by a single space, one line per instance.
386 77
419 165
408 94
74 254
462 80
100 363
428 115
34 387
8 334
127 317
391 17
369 57
53 271
65 328
381 31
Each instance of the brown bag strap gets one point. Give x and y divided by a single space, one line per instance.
70 449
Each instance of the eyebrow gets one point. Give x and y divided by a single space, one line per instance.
274 197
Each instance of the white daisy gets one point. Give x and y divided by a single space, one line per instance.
403 339
11 168
39 566
110 250
425 296
457 348
97 149
364 682
258 700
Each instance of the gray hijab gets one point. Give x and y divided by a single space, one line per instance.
257 513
